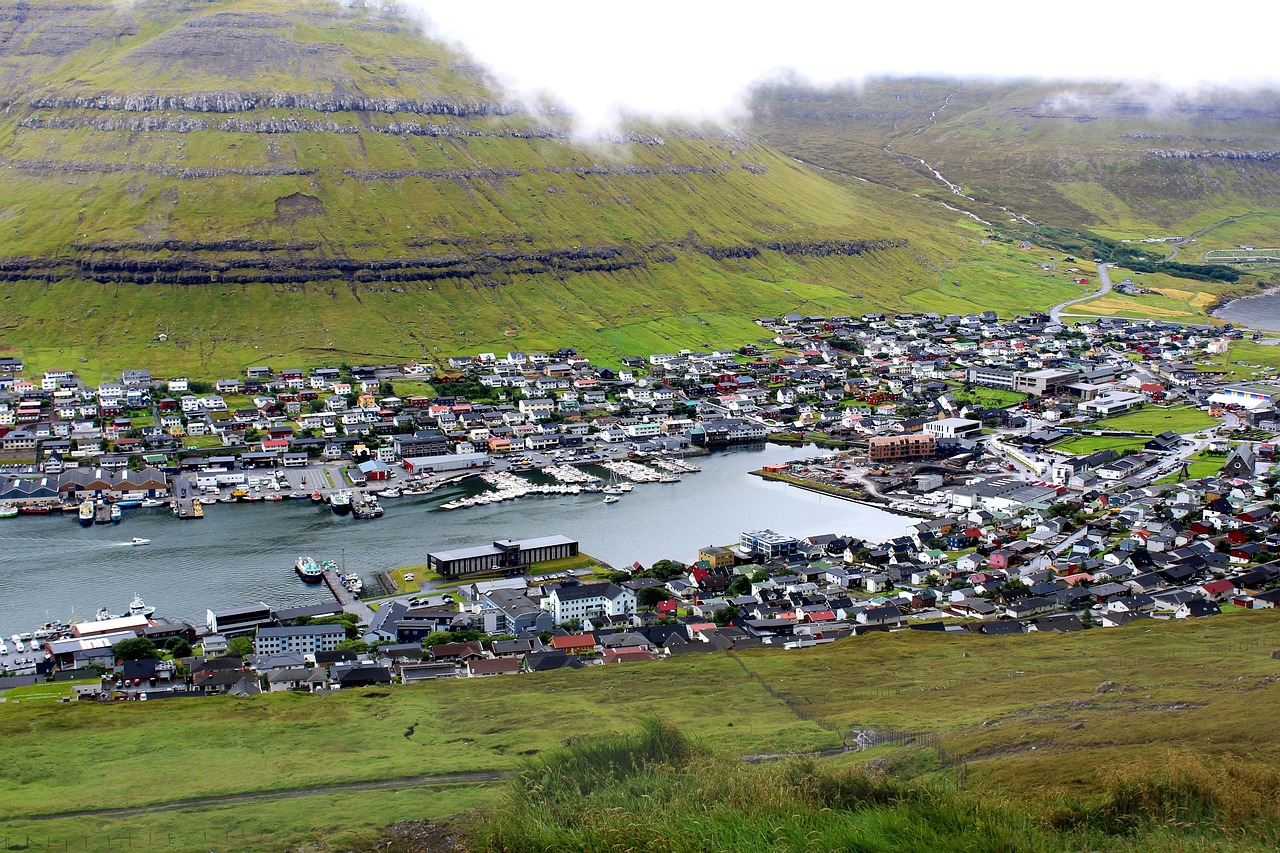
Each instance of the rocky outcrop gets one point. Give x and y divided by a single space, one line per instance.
1259 156
149 168
263 262
165 124
242 102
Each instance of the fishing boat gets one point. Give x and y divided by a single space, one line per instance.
197 510
309 570
8 511
340 502
316 497
116 513
86 512
103 615
138 607
138 540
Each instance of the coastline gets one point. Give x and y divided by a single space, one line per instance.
1215 310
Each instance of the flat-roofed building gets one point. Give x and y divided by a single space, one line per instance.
893 448
504 555
234 621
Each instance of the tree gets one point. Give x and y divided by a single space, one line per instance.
725 616
665 570
178 647
347 620
240 647
135 648
760 575
651 596
435 638
740 585
352 646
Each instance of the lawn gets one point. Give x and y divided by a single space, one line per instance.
1083 445
1153 420
997 398
1200 464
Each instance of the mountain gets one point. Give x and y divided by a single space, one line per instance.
1122 161
198 186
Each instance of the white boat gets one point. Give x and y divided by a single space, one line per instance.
138 540
115 513
610 499
392 492
151 502
138 607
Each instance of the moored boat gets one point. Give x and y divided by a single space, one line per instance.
138 607
8 511
116 513
35 509
86 512
340 502
309 570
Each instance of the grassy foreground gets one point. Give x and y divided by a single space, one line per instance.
1026 717
656 791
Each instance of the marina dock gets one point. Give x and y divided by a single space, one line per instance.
350 603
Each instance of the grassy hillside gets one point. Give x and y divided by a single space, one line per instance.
1125 162
1034 717
323 184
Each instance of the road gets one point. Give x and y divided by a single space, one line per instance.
1104 282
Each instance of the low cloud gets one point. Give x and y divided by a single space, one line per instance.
696 61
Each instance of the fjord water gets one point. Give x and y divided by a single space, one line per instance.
239 553
1256 312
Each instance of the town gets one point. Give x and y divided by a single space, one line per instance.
1063 477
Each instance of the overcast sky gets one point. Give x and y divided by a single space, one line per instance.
695 59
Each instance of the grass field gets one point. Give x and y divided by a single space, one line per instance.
991 397
1204 688
1153 420
1200 464
1083 445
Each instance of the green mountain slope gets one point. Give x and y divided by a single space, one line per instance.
1121 161
304 180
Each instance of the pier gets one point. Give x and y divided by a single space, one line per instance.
350 603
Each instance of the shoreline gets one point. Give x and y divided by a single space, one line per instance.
1215 310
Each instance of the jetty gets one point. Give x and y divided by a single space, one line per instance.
350 603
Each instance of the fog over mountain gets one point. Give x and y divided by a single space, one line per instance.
695 61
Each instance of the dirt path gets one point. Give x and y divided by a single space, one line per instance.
424 781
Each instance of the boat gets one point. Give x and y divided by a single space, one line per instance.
86 512
138 607
316 497
309 570
340 502
103 615
138 540
197 510
148 503
8 511
116 513
669 478
51 631
128 504
610 499
38 509
392 492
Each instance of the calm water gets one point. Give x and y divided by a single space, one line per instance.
1256 312
239 553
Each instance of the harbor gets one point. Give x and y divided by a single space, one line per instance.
245 552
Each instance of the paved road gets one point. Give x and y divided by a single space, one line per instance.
1104 281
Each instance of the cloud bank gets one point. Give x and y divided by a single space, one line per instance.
695 60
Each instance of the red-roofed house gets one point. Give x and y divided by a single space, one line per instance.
1219 590
575 644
